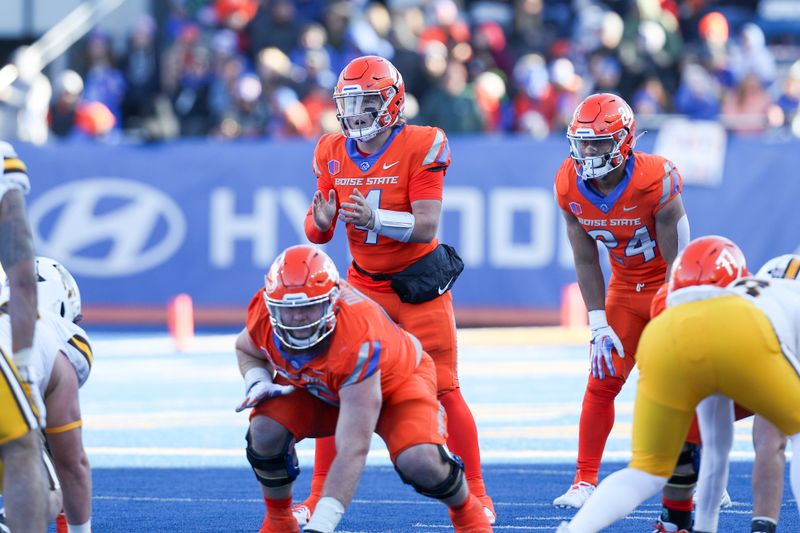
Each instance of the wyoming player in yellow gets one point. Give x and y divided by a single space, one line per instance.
62 360
769 443
725 337
24 477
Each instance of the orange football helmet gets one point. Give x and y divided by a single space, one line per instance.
370 96
300 291
601 135
711 260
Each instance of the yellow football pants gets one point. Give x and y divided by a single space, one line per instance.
717 346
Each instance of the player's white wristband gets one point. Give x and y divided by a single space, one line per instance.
597 319
326 516
254 375
397 225
23 357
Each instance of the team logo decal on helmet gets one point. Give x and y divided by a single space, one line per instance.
370 97
601 135
300 291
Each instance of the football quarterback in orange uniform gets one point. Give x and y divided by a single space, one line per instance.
631 203
383 180
321 359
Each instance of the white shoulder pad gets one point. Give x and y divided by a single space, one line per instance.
73 341
14 172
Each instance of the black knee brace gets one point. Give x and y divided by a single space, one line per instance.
274 470
685 474
448 487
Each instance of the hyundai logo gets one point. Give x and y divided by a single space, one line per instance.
107 227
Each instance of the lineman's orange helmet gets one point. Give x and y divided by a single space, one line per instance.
711 260
300 290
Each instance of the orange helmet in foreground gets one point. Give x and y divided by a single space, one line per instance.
711 260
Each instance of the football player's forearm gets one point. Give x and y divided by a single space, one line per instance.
246 355
587 264
359 409
424 230
592 285
316 235
16 256
247 361
345 472
426 220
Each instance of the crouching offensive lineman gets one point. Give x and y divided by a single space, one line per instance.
319 359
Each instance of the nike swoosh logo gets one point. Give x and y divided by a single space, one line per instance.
626 209
385 166
443 290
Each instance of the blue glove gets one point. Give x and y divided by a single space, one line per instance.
604 341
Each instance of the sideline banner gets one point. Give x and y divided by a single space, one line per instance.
137 225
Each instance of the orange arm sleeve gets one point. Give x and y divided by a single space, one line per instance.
314 234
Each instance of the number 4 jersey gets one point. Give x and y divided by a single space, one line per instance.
410 167
625 219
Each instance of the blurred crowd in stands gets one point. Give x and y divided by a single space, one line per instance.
253 69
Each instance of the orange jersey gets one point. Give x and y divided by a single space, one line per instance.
625 219
410 167
364 341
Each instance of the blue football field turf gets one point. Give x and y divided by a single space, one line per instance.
167 448
225 500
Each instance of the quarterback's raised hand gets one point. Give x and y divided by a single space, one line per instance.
604 340
324 211
259 387
357 211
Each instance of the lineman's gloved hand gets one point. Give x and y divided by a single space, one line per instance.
326 516
23 359
259 387
604 340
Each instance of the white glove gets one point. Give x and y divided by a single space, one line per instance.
603 341
326 516
259 387
30 380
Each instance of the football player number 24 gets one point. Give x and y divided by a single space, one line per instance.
640 244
